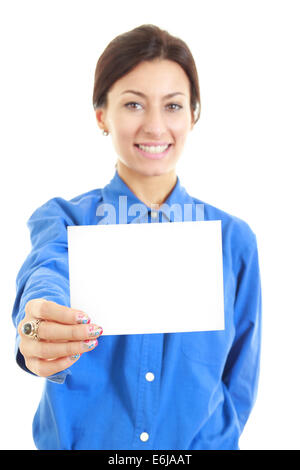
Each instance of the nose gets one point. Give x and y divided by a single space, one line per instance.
154 123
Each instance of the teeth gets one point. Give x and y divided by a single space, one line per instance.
153 149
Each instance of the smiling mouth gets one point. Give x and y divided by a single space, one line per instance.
153 149
153 152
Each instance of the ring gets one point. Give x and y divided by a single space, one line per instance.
30 328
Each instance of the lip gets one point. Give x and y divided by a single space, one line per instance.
153 144
153 156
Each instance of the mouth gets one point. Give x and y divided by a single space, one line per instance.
153 151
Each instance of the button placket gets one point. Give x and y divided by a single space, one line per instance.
141 423
154 212
148 389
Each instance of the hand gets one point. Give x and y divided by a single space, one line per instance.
64 335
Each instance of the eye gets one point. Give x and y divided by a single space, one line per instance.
129 105
175 104
134 105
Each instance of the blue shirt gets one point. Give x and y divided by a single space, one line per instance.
171 391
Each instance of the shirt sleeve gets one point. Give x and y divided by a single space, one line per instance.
45 271
241 370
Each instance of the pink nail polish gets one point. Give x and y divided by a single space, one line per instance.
75 357
90 343
95 330
82 318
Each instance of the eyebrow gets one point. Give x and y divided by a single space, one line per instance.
139 93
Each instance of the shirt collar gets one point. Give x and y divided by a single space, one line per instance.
117 192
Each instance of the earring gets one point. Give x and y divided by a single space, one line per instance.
105 132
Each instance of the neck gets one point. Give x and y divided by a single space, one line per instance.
151 190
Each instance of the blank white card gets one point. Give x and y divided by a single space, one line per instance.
148 278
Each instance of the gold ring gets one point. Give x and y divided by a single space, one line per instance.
30 328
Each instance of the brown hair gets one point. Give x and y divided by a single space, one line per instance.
146 42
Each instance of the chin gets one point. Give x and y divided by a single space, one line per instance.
153 171
149 169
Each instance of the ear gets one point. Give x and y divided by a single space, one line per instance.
192 120
192 124
100 117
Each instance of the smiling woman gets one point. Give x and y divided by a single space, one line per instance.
184 390
148 134
158 72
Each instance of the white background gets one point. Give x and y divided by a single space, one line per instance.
242 157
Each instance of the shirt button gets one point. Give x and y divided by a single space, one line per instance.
149 376
154 214
144 436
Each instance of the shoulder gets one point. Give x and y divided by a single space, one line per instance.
74 211
237 234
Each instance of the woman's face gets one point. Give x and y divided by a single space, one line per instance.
148 126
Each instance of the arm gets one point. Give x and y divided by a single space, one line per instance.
242 366
45 273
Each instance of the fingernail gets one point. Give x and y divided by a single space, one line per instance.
75 357
95 330
82 318
90 343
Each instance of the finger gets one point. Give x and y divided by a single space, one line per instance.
47 350
45 368
51 331
49 310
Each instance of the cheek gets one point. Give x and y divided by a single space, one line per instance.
118 124
124 131
181 132
181 127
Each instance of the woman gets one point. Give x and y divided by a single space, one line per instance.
160 391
